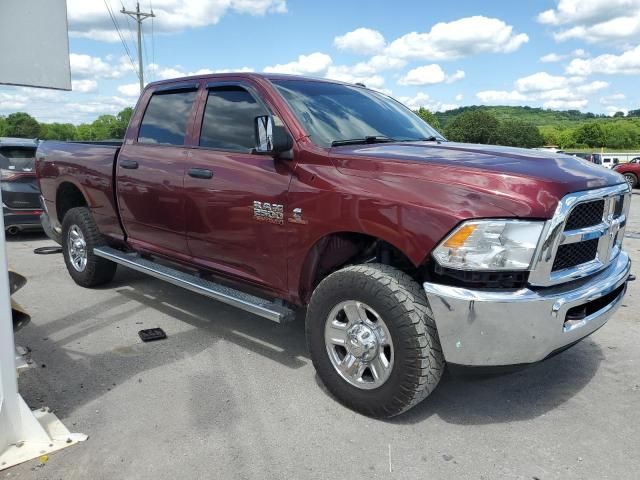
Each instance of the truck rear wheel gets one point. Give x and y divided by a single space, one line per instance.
80 236
373 340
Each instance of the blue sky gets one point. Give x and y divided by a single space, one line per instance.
562 54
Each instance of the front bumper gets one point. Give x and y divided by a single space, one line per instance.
489 328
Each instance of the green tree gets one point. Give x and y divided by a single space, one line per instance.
428 117
516 133
21 124
567 139
591 134
618 114
124 116
57 131
551 135
85 132
472 126
621 134
3 126
106 127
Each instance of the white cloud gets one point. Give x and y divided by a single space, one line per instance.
458 75
57 106
627 63
556 57
612 110
566 104
313 64
86 66
539 82
552 91
425 75
551 57
90 19
165 73
457 39
367 72
361 40
9 103
589 88
594 20
129 89
345 73
84 86
501 97
459 97
429 75
615 97
422 99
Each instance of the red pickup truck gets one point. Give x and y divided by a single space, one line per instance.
630 171
274 193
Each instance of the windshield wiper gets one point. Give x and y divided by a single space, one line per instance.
363 141
432 138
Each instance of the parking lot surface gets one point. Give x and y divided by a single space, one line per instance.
230 395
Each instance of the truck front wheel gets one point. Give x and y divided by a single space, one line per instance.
373 340
80 236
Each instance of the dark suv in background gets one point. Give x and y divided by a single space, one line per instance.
20 194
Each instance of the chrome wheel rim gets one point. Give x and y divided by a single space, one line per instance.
359 345
630 180
77 248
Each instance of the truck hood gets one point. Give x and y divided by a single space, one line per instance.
523 182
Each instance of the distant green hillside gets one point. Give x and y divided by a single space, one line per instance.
566 129
538 116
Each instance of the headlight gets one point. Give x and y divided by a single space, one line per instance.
490 245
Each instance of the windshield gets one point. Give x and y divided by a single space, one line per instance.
332 113
17 158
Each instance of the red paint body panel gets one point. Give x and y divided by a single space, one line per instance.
90 169
407 194
152 198
628 168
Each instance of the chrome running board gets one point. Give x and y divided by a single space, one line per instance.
244 301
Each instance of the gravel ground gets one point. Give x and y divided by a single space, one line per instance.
230 395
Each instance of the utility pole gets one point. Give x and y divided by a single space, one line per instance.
139 16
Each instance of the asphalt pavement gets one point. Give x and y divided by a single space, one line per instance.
230 395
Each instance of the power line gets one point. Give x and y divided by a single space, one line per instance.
129 29
153 43
145 49
124 44
139 17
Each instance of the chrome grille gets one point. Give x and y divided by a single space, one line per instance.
574 254
585 215
583 237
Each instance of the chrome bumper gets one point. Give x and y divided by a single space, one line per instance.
488 328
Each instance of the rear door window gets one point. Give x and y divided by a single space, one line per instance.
166 117
17 158
229 119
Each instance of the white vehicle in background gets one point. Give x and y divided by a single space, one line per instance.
549 149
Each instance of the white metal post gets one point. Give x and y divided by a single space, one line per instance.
10 421
24 434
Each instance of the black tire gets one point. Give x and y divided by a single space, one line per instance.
418 361
97 271
632 179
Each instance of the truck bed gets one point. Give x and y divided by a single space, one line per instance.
87 167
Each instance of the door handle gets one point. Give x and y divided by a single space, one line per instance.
200 173
129 164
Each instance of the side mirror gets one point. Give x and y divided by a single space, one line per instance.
270 139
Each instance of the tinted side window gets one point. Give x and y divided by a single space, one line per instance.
229 117
165 120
